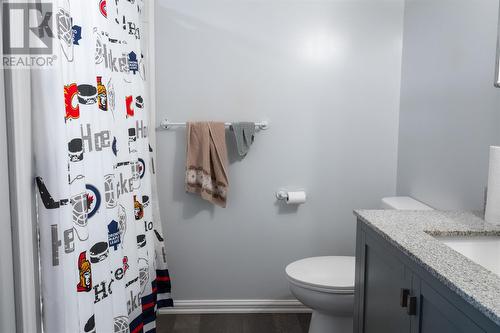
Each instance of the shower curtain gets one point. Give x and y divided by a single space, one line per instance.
102 252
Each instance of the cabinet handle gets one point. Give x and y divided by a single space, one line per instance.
412 306
403 297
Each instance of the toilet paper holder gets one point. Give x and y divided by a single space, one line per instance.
282 195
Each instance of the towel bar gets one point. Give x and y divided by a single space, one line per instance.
167 124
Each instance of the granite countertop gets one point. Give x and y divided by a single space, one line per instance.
412 231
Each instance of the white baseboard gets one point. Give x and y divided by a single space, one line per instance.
235 306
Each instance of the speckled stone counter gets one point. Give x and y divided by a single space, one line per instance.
412 231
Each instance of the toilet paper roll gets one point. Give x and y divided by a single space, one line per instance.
492 211
295 198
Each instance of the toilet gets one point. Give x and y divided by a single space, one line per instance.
326 284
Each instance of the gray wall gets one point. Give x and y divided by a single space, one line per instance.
326 74
450 111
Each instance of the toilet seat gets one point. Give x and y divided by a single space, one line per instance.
330 274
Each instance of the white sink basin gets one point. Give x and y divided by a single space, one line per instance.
484 250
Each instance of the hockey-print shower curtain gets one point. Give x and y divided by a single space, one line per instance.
102 253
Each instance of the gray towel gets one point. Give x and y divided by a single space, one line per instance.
244 136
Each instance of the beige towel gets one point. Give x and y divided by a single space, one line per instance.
206 162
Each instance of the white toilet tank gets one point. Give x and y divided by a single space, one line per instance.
403 203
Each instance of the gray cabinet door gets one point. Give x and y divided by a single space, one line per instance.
437 315
384 278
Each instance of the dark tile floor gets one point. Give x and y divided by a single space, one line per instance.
234 323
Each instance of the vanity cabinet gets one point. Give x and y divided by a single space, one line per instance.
394 294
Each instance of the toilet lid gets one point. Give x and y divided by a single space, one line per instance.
333 272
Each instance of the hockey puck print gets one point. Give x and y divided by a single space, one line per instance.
131 134
141 241
145 201
87 94
75 150
90 325
98 252
139 102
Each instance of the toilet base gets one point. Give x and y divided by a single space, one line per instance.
325 323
